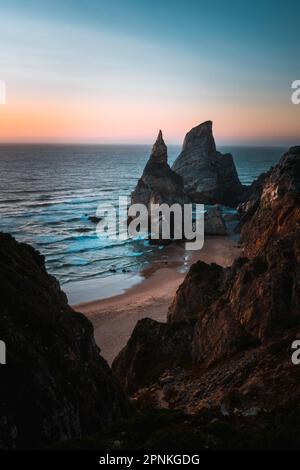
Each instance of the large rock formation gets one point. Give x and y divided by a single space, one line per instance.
200 288
245 318
276 212
250 201
150 351
158 183
262 293
279 186
209 176
55 384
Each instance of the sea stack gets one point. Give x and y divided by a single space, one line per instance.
210 177
158 183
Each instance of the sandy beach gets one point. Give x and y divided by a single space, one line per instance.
114 318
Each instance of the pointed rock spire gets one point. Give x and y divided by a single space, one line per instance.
160 136
158 183
159 150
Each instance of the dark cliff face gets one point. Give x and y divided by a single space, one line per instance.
55 384
276 212
200 288
152 348
209 176
262 291
245 317
159 184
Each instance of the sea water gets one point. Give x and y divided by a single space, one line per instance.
48 193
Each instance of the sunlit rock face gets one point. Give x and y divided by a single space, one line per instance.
55 385
209 176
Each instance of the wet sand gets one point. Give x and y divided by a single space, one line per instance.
114 318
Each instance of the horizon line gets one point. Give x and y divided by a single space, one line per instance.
74 143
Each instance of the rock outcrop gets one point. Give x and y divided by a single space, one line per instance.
214 223
200 288
244 318
209 176
55 384
150 351
262 292
250 201
267 194
277 211
158 183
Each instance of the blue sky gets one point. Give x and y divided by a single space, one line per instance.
129 67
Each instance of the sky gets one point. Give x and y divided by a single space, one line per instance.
98 71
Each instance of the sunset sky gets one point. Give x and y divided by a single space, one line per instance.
117 71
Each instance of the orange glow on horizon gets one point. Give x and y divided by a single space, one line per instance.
138 122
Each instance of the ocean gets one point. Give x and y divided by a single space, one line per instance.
48 193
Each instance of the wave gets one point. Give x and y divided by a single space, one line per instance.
46 201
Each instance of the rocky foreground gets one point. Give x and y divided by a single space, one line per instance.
55 385
223 359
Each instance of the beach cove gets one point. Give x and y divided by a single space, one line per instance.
150 294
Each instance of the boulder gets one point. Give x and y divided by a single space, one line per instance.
95 219
209 176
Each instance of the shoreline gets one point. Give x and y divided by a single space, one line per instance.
115 317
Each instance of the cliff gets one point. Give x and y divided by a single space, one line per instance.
209 176
276 212
243 319
200 288
55 384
